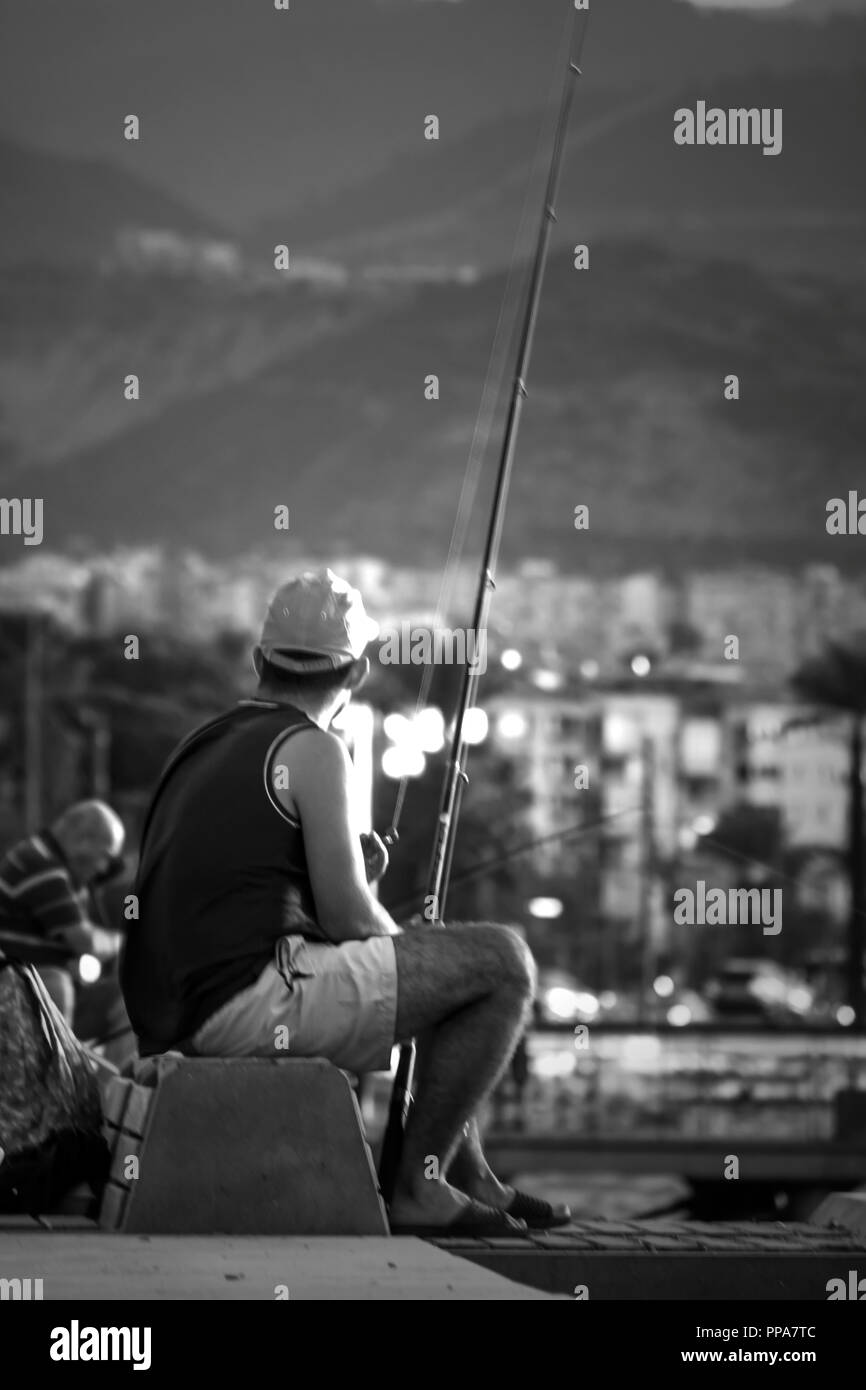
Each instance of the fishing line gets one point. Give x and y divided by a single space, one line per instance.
488 865
455 773
498 359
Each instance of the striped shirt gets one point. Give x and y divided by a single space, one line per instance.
37 895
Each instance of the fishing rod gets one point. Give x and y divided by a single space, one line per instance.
569 832
456 777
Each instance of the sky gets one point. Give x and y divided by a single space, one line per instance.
244 108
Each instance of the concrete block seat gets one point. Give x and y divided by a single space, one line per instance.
241 1146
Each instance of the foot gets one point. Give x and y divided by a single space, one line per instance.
536 1212
436 1203
486 1187
474 1220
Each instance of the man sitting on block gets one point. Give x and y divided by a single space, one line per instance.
48 915
257 924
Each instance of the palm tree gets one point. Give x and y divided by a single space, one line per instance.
837 679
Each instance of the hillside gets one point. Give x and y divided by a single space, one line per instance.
625 413
459 201
58 210
69 336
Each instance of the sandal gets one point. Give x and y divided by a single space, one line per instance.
475 1220
538 1214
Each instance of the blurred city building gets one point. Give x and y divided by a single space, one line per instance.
779 618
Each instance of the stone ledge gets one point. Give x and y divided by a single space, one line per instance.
847 1209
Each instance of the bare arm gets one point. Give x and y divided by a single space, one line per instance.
320 795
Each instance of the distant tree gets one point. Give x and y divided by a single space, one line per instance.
150 704
683 638
749 834
87 689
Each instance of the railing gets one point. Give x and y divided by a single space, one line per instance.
690 1084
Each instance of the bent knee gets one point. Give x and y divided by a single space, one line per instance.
511 960
521 961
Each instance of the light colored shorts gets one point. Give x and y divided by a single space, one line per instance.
313 1000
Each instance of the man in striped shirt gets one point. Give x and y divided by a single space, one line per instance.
45 906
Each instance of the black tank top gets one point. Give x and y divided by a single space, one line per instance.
222 875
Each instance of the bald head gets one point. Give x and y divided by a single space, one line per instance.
90 835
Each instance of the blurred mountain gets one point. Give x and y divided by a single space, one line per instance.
254 392
459 202
58 210
823 10
456 202
676 37
626 413
70 335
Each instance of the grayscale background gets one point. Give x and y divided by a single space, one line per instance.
305 389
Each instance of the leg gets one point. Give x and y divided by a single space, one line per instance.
471 1172
470 988
468 1169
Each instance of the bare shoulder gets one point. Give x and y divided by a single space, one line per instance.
314 752
307 768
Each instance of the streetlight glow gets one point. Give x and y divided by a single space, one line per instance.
397 728
475 726
403 761
547 908
679 1015
89 969
428 730
512 724
547 680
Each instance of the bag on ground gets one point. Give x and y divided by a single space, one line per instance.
50 1110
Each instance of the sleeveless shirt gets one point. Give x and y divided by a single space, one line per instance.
222 875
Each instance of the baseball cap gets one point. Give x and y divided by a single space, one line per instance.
316 623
